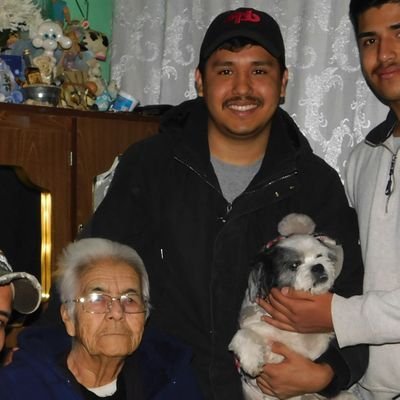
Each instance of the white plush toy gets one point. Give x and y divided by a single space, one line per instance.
49 35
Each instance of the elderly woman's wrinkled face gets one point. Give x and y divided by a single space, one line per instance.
113 333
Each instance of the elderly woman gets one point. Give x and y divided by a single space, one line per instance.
104 290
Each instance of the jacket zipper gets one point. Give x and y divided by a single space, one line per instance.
228 209
391 180
260 185
281 178
203 177
229 206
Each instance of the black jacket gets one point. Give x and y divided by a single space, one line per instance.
158 370
165 201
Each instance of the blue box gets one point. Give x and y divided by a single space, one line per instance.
15 64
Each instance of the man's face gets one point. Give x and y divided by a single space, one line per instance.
5 311
242 90
379 44
113 334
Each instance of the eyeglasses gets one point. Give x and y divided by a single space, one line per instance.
99 303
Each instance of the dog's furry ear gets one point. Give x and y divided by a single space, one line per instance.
337 250
296 224
255 277
262 277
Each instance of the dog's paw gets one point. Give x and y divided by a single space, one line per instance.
251 350
272 358
253 363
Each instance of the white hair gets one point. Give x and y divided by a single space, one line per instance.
79 255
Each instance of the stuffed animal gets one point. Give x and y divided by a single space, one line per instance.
95 42
49 35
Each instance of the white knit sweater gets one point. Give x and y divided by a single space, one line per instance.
374 318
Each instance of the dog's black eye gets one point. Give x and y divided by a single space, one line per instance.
318 256
295 265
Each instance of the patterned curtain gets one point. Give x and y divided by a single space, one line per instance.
155 52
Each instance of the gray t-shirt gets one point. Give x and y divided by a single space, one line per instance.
234 179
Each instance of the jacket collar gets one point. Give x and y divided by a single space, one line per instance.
380 133
285 144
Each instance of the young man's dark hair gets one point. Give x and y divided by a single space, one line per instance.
357 7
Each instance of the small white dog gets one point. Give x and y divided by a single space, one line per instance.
299 259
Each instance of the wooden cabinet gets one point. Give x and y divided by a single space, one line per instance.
61 151
98 142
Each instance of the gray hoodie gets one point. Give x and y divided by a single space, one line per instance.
374 318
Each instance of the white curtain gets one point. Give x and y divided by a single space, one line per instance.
155 51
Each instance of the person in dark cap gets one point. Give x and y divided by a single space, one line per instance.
19 291
201 198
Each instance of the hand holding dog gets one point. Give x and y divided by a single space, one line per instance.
294 376
298 311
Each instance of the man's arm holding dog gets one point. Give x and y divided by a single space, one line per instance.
333 371
296 311
294 376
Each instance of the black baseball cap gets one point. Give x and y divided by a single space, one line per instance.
248 23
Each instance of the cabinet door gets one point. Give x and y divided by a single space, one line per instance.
41 145
99 142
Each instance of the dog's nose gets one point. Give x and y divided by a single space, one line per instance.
319 273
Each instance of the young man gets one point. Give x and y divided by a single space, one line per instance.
371 182
200 199
19 291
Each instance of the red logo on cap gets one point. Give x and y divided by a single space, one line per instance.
243 16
